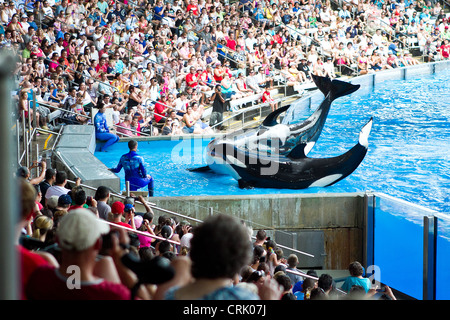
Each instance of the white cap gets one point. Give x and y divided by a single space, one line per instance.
80 229
52 202
185 240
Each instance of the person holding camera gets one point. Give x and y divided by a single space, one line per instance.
218 106
119 210
79 235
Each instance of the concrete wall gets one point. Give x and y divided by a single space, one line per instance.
339 216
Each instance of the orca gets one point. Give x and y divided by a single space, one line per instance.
294 171
272 137
278 138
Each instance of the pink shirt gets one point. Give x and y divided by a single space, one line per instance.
144 241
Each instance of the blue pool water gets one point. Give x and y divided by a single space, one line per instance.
408 156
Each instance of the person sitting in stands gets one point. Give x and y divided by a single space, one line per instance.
356 278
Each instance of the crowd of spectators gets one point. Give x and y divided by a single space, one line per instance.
124 253
144 59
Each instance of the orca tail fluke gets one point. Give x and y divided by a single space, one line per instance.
364 133
271 119
322 83
341 88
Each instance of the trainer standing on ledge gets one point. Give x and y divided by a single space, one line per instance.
135 172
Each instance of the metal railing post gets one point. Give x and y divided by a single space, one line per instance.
429 257
34 114
369 248
18 141
9 189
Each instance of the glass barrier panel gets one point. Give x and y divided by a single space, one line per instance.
398 244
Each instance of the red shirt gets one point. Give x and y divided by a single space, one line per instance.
46 283
192 77
445 49
75 206
29 261
193 8
266 94
278 39
103 68
123 224
159 108
231 44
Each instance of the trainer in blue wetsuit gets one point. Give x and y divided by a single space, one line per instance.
101 129
135 172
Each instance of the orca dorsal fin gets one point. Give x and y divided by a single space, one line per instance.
298 152
271 119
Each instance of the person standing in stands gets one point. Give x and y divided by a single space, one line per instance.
50 177
218 107
102 196
135 171
101 128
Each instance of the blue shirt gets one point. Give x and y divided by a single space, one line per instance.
355 281
226 293
133 164
100 123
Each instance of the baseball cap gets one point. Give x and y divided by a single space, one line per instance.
117 207
79 229
64 199
52 202
185 240
138 221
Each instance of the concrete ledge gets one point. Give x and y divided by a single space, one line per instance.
75 155
286 211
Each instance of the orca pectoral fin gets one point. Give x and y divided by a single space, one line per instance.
245 184
200 169
271 119
364 133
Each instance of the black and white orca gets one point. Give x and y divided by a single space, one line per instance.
294 171
272 137
278 138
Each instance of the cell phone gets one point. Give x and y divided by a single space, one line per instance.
383 289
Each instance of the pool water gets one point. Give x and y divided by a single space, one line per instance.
408 156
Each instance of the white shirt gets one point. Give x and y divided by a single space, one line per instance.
56 191
180 105
249 42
